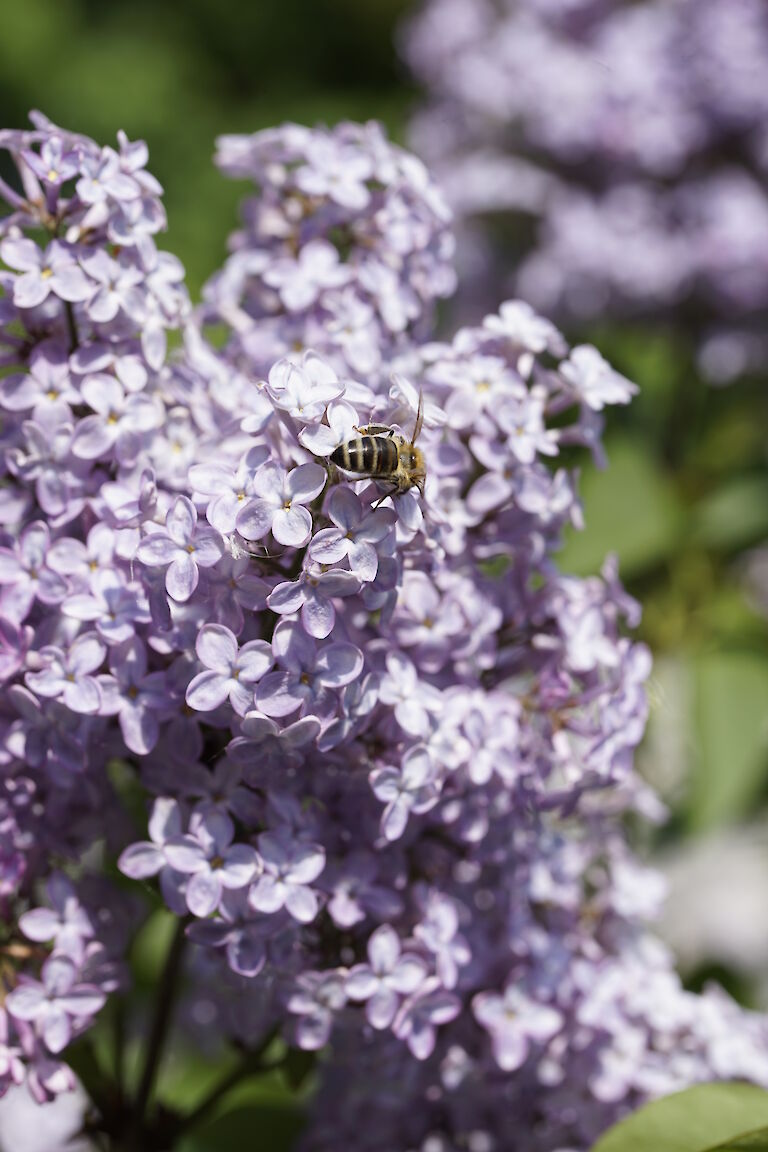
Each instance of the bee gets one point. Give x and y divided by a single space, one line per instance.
381 453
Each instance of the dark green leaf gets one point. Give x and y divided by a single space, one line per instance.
298 1066
271 1127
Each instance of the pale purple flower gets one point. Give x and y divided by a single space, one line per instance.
342 422
118 421
358 700
522 421
422 1014
67 674
112 604
135 696
289 868
278 505
414 787
308 673
477 387
358 890
313 593
303 390
264 744
25 575
56 163
103 177
517 322
81 559
211 860
426 622
232 588
44 271
355 535
48 383
438 932
184 547
57 1003
300 281
338 173
117 287
147 858
227 488
318 998
66 923
593 380
389 975
514 1020
413 699
44 458
230 673
98 357
241 931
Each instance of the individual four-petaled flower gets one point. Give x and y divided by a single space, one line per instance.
182 549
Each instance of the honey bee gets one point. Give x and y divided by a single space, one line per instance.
381 453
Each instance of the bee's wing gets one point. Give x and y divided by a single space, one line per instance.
419 418
375 430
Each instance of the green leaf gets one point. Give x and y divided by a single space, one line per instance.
731 721
151 945
266 1126
631 508
298 1067
707 1118
752 1142
734 515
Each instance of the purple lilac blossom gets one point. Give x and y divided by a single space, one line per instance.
622 147
385 746
345 249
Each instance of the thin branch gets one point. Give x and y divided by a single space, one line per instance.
167 990
71 326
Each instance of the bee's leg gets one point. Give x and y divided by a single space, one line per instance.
393 491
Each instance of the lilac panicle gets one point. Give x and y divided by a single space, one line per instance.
385 745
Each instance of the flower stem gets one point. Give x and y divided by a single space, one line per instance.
167 990
71 326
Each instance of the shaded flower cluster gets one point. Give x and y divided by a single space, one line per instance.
628 144
385 745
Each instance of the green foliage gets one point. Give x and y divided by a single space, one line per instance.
731 722
271 1127
708 1118
734 515
631 508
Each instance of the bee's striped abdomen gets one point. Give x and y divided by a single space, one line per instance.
367 455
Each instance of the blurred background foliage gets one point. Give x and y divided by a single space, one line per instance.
686 496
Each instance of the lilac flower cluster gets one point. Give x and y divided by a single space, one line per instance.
385 744
344 248
628 143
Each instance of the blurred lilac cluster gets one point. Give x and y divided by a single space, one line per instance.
385 746
613 155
